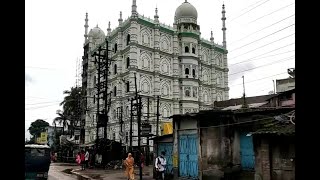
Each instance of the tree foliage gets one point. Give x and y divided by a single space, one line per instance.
71 108
37 127
62 119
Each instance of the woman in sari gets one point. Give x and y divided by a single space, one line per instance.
129 163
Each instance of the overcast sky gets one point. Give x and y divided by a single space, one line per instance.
260 41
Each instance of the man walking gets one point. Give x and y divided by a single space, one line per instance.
87 159
160 164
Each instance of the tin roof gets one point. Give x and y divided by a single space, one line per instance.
239 101
279 125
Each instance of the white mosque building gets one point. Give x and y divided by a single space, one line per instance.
187 72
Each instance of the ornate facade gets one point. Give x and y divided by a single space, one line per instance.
175 63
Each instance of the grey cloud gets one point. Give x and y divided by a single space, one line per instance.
28 78
236 72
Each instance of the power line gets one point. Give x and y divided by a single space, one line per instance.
259 79
250 6
270 13
33 108
275 62
44 68
265 45
259 58
249 10
263 37
267 52
243 122
261 29
43 103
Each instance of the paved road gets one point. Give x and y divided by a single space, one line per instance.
55 172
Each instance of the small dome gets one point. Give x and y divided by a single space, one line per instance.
97 33
186 10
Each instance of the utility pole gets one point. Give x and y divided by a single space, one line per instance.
274 87
131 119
157 130
139 102
120 112
244 95
148 148
106 102
98 94
102 88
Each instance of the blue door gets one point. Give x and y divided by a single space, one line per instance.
167 148
188 156
247 152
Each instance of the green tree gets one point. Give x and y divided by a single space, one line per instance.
62 119
37 127
71 106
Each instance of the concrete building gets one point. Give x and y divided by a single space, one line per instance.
217 144
187 72
287 83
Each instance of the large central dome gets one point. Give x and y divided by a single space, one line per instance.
186 10
96 33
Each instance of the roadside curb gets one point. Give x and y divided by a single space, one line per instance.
78 174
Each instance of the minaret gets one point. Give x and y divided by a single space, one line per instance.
86 28
156 17
109 29
224 42
211 38
120 19
134 8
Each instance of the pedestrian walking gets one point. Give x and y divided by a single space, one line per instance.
82 157
160 165
78 158
129 163
87 158
142 161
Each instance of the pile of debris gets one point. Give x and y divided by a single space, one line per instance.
117 164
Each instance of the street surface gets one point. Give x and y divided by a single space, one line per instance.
55 172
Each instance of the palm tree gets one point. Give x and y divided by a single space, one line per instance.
61 119
70 104
70 101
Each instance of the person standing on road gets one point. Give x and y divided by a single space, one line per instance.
87 158
82 157
129 163
160 165
78 159
142 161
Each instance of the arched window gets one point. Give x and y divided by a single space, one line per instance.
127 111
128 62
187 92
115 91
186 49
187 71
193 73
115 47
115 69
128 39
128 86
193 50
114 114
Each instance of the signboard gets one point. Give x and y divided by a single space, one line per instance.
43 139
145 129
